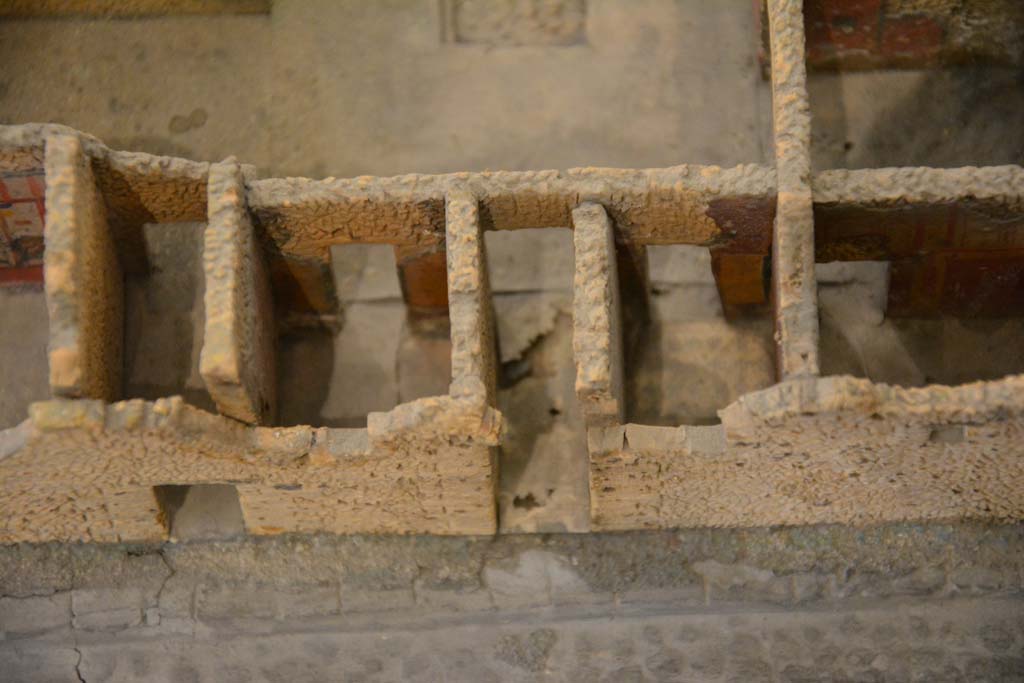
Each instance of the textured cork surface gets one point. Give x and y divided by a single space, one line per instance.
469 300
794 290
671 205
85 470
84 286
836 450
238 361
597 321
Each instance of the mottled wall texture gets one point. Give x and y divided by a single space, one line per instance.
868 34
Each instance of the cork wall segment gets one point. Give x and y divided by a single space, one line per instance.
794 289
597 318
237 362
807 450
83 278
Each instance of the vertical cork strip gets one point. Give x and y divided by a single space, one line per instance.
474 362
596 317
84 282
794 290
237 360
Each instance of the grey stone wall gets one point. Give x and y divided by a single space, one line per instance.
895 602
178 587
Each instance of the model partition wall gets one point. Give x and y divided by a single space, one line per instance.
816 446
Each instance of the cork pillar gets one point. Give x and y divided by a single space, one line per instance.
237 360
794 288
84 281
597 318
